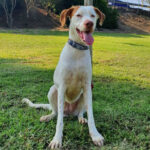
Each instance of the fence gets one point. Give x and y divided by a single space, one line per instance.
138 4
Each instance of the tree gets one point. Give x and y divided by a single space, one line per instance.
9 6
29 5
88 2
48 5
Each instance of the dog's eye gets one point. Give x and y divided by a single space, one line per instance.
92 16
79 15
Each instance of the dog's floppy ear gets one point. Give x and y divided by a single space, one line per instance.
64 14
101 16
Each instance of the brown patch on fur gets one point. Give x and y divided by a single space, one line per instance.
72 93
74 82
75 8
74 89
67 13
101 16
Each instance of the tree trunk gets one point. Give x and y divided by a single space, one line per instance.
87 3
27 13
10 21
29 5
9 11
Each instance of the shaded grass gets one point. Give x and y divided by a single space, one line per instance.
121 94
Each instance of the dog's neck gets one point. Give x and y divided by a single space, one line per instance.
74 36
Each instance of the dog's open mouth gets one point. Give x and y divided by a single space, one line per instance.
85 36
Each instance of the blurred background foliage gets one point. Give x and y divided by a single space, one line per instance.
56 6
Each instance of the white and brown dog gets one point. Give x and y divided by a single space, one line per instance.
71 93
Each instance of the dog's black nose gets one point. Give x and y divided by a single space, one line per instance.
88 23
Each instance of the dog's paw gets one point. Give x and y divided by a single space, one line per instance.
98 140
47 118
55 143
82 120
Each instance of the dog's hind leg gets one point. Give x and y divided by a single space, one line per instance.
52 97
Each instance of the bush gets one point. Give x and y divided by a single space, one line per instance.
111 20
63 4
57 6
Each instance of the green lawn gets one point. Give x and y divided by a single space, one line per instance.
121 96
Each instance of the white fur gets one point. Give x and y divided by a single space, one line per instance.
73 65
44 106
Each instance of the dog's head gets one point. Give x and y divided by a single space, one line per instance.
83 21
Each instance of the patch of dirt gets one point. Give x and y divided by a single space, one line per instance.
131 22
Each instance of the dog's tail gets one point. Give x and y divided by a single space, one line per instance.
44 106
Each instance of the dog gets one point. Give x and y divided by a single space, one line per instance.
71 93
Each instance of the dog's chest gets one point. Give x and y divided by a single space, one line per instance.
74 81
73 71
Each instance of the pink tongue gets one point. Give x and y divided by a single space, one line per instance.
87 38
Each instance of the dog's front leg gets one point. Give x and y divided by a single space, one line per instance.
95 135
57 139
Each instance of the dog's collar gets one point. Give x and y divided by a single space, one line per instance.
77 45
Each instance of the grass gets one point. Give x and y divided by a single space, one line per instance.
121 96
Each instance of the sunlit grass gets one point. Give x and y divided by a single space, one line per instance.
121 95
